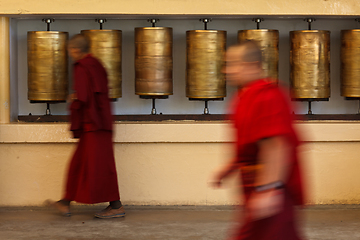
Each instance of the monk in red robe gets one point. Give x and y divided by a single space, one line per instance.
92 176
265 150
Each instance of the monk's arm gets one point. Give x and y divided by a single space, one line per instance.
268 197
274 153
81 84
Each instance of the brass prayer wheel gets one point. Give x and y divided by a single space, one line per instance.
268 41
47 66
105 45
153 61
205 57
310 64
350 63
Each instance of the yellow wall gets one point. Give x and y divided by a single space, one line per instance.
4 70
167 163
182 7
170 163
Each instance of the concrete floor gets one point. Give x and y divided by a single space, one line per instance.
169 223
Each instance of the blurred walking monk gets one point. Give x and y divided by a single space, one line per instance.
266 150
92 176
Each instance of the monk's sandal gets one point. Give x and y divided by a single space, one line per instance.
111 213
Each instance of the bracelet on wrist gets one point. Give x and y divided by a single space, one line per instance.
269 186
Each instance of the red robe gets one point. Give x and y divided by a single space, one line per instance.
92 176
263 111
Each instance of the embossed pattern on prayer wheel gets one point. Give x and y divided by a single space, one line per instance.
106 46
268 41
153 61
310 64
350 63
47 66
205 57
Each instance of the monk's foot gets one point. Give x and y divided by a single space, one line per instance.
63 209
109 212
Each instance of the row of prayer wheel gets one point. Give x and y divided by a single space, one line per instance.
205 51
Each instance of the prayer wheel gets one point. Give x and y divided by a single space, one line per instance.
268 41
106 46
153 61
205 57
47 66
310 64
350 63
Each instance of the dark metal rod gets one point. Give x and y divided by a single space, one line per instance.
153 110
206 109
48 112
359 108
258 21
101 22
309 21
153 21
48 21
205 21
309 111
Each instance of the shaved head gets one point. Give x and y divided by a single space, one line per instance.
248 51
81 42
243 63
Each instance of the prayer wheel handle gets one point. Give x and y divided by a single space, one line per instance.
205 21
101 21
48 21
153 21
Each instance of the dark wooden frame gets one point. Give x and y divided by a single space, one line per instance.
184 117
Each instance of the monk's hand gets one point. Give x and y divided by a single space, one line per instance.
265 204
216 180
215 183
71 97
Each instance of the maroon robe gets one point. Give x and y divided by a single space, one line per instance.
92 176
263 111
